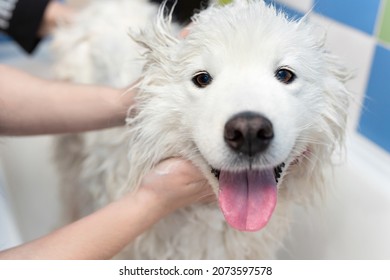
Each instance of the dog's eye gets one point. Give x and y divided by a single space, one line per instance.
202 79
285 75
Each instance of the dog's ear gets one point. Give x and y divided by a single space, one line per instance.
334 83
331 129
157 40
338 98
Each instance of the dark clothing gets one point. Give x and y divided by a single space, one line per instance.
21 20
184 8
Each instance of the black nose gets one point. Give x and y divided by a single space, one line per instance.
248 133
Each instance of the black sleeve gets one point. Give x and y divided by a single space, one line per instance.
184 8
21 20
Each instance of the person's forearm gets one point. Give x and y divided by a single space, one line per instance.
172 184
29 105
98 236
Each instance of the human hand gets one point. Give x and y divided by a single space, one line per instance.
55 13
177 183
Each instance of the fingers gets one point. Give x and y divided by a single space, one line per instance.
180 168
178 181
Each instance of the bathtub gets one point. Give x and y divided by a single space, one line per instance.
353 221
9 231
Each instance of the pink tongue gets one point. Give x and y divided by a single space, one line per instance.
247 198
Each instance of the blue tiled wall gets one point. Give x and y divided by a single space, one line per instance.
375 118
360 14
289 11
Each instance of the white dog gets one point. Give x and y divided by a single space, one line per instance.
250 97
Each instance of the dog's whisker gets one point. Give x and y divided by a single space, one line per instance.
308 140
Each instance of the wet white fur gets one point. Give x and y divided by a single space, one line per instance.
241 46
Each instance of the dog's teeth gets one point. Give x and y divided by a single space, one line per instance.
278 171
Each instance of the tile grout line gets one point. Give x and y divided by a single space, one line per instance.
379 18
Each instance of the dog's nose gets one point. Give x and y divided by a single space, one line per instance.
248 133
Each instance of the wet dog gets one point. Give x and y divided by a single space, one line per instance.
250 96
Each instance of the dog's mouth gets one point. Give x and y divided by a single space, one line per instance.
277 171
248 198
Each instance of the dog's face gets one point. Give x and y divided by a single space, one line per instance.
256 91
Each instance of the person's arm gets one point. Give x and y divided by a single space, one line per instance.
173 184
31 106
